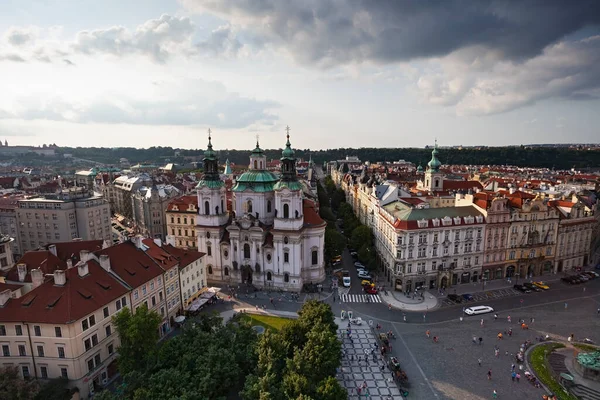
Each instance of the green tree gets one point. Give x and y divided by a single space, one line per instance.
12 387
335 243
314 312
139 337
55 389
361 235
330 389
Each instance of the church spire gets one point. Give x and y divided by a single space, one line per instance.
210 161
434 164
288 159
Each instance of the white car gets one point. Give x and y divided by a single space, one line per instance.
364 275
346 281
478 310
358 264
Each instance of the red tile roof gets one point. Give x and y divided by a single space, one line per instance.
80 296
131 264
70 250
311 216
462 185
183 204
41 259
185 257
8 286
163 258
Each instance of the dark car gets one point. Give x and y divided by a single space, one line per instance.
454 297
568 279
532 287
522 288
468 297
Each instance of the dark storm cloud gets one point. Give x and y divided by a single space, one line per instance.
339 31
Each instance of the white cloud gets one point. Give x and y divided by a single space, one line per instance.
16 36
484 85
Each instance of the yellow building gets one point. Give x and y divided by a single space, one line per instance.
181 222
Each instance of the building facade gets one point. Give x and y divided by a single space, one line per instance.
8 222
6 254
149 209
181 222
274 237
76 213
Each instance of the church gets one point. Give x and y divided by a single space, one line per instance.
273 236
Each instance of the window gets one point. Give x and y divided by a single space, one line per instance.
94 340
124 299
87 344
5 350
19 330
64 373
209 269
144 290
90 364
136 294
57 331
25 370
84 325
108 330
208 249
286 277
268 206
110 348
249 206
286 257
44 372
22 351
40 350
286 211
315 257
153 301
246 250
206 208
226 271
2 330
269 276
61 352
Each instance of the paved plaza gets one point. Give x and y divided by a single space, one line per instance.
354 373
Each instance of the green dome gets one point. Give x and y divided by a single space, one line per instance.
210 184
434 164
288 152
291 185
257 150
209 153
419 168
256 180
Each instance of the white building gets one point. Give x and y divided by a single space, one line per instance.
274 237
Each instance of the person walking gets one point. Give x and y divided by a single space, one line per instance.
508 319
518 376
495 317
474 339
427 333
389 307
480 340
513 375
566 305
481 321
495 394
489 374
479 361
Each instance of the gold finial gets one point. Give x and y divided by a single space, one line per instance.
287 129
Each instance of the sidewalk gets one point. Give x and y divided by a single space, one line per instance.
495 284
399 301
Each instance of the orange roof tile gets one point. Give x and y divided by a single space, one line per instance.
41 259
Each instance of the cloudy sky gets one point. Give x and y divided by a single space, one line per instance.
341 73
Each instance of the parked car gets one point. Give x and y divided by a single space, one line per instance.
365 282
597 275
522 288
583 278
532 287
478 310
567 279
358 264
370 289
455 298
364 275
541 285
468 297
354 254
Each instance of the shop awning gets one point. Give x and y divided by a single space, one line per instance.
196 304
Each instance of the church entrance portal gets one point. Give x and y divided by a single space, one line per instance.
247 274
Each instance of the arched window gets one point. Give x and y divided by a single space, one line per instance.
249 206
208 249
209 269
206 208
222 207
255 164
286 211
437 183
226 272
268 206
217 210
257 268
315 257
286 277
269 276
261 167
246 250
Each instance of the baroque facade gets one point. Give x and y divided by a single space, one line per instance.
273 237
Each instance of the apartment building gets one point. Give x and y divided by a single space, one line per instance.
73 213
148 205
575 231
6 254
8 222
532 237
181 221
192 274
430 247
62 327
122 191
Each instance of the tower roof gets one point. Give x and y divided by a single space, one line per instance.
288 152
434 164
257 150
209 153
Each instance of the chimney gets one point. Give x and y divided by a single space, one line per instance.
37 277
106 243
84 256
22 271
82 269
105 262
511 190
60 277
158 242
69 263
52 249
4 296
170 240
137 241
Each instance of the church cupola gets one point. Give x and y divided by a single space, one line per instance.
434 178
434 164
258 160
210 163
288 160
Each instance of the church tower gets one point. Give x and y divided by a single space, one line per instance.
288 192
434 178
212 208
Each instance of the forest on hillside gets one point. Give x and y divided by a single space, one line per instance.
549 157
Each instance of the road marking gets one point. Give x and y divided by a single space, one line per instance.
412 356
360 298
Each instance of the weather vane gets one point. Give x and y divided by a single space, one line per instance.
287 129
209 132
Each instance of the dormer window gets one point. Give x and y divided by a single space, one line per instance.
436 222
456 220
423 223
447 221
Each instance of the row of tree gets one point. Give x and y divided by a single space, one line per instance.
523 156
209 360
13 387
299 362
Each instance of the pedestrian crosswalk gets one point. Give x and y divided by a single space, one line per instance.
360 298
